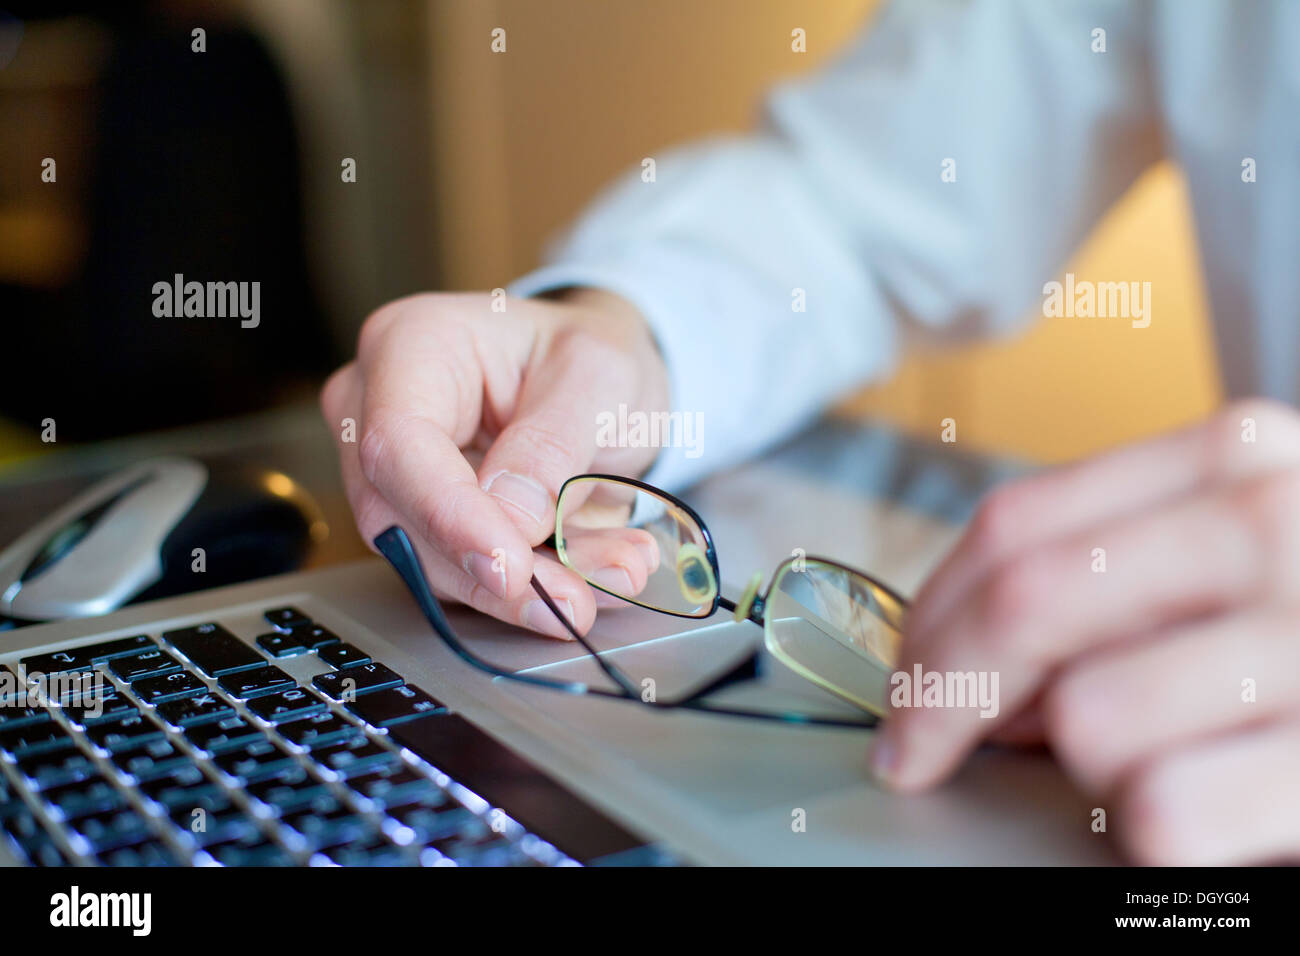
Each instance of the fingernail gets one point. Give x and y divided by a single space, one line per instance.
884 758
522 493
613 578
487 571
539 617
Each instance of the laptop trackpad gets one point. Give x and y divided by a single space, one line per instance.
742 780
731 764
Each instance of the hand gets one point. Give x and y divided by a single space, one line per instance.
1167 684
467 421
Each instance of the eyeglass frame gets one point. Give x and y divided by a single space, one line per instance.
395 545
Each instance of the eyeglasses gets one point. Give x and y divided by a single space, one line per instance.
829 623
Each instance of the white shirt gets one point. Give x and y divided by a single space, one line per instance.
843 196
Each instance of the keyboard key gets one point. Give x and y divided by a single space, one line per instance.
225 734
254 761
84 658
354 756
326 728
429 820
148 664
125 734
156 690
19 821
34 739
214 650
375 851
255 683
12 717
296 640
314 636
216 821
182 809
286 617
395 706
33 842
477 845
396 785
343 655
201 709
185 786
149 853
54 768
113 828
81 689
254 852
286 705
75 800
355 681
156 759
115 708
290 790
279 644
330 827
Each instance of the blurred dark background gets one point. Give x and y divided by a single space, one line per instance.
221 164
225 166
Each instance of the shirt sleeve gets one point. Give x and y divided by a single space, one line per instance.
928 183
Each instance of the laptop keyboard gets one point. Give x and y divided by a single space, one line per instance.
205 752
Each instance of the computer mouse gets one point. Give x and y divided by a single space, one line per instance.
162 527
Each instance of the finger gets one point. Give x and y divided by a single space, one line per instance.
552 435
1121 707
1128 481
1205 553
613 558
571 594
1223 802
450 582
420 394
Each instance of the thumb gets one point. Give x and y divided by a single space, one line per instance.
552 434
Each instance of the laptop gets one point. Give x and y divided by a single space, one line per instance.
315 719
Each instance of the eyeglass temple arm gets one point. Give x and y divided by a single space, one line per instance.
395 545
613 673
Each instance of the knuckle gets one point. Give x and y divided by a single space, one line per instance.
594 354
423 310
542 441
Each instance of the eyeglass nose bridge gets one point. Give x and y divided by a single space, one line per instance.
749 607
